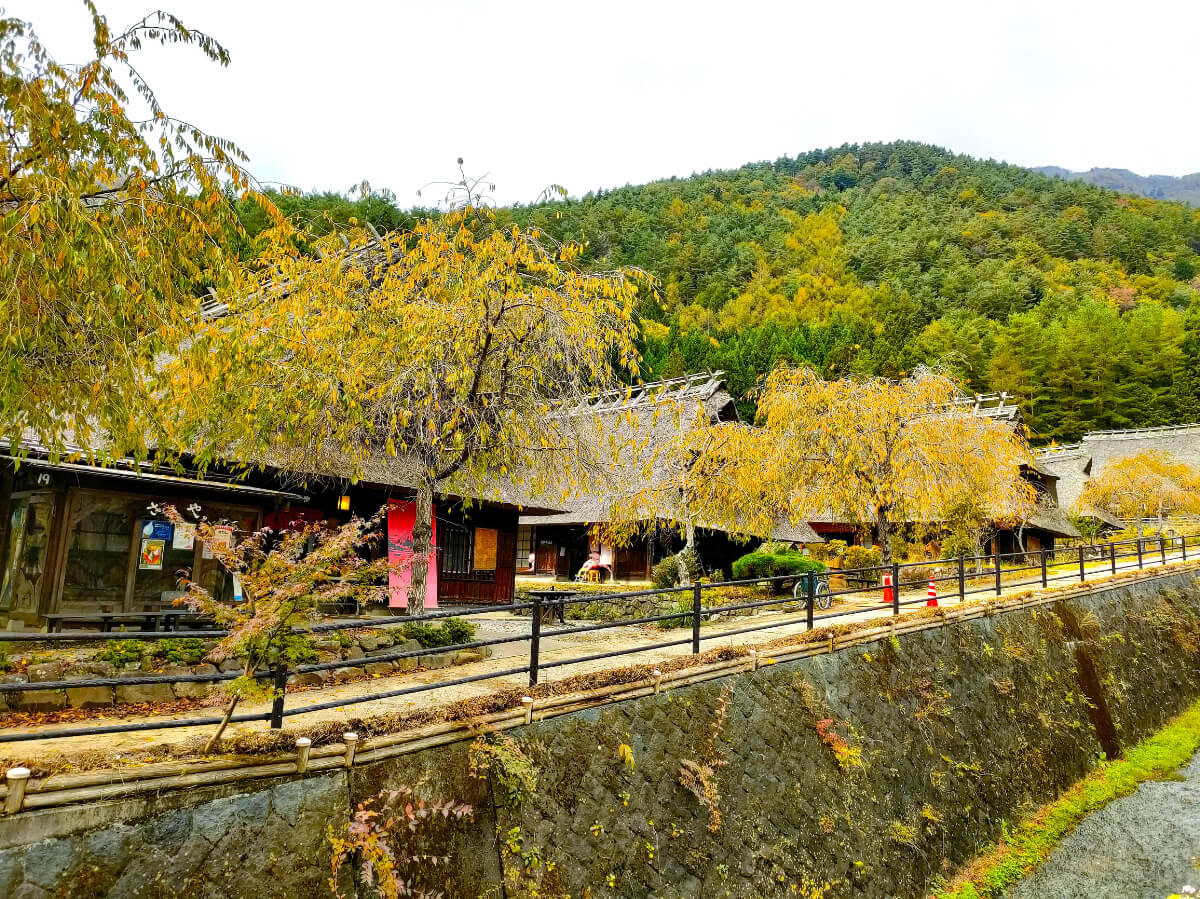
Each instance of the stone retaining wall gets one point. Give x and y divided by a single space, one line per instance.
360 646
868 772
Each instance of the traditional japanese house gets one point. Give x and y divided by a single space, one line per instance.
80 538
1075 464
1044 526
559 545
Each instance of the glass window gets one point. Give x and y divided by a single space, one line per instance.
28 546
98 548
455 543
524 546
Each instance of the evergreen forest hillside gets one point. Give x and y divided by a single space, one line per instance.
1082 303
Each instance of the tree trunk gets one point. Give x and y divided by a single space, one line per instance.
216 738
689 546
885 536
422 538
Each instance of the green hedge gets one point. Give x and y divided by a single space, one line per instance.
774 564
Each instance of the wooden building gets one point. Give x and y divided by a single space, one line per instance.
560 544
83 538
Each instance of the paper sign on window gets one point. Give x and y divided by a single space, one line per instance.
485 549
184 536
152 555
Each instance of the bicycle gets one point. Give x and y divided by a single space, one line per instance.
822 595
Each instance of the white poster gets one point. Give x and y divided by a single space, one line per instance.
222 537
184 536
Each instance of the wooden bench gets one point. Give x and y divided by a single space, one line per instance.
150 620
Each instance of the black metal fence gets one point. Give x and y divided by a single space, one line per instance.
860 591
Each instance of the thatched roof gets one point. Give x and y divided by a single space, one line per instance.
654 413
1076 463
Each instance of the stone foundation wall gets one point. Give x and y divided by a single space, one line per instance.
869 772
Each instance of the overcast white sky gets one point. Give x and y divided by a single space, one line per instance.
599 94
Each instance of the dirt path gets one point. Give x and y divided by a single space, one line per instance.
505 656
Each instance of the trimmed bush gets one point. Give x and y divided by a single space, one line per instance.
665 573
450 632
179 650
121 652
854 557
761 564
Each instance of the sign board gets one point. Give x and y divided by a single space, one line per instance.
151 558
184 536
401 516
222 539
485 549
157 530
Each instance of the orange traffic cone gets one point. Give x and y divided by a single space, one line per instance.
931 593
887 589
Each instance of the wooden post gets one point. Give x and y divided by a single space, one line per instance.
351 741
279 688
18 779
895 588
527 704
303 748
1112 552
696 606
535 639
996 544
1082 576
1044 578
1162 548
657 675
810 600
962 578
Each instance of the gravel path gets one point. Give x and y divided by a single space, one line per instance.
1141 846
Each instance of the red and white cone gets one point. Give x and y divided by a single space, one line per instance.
887 589
931 593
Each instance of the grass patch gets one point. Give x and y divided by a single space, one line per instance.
1033 840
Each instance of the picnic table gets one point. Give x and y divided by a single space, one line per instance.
553 603
170 619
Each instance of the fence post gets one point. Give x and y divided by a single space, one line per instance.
1139 544
535 640
962 578
1082 575
996 544
1162 548
1183 546
1045 580
895 588
1112 553
811 600
280 687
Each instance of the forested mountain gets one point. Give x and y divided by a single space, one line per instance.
877 258
1185 188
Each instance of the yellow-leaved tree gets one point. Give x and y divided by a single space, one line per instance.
114 218
1147 485
455 358
869 451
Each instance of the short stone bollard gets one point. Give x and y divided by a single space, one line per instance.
351 740
657 675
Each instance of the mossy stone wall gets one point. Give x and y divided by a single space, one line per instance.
869 772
